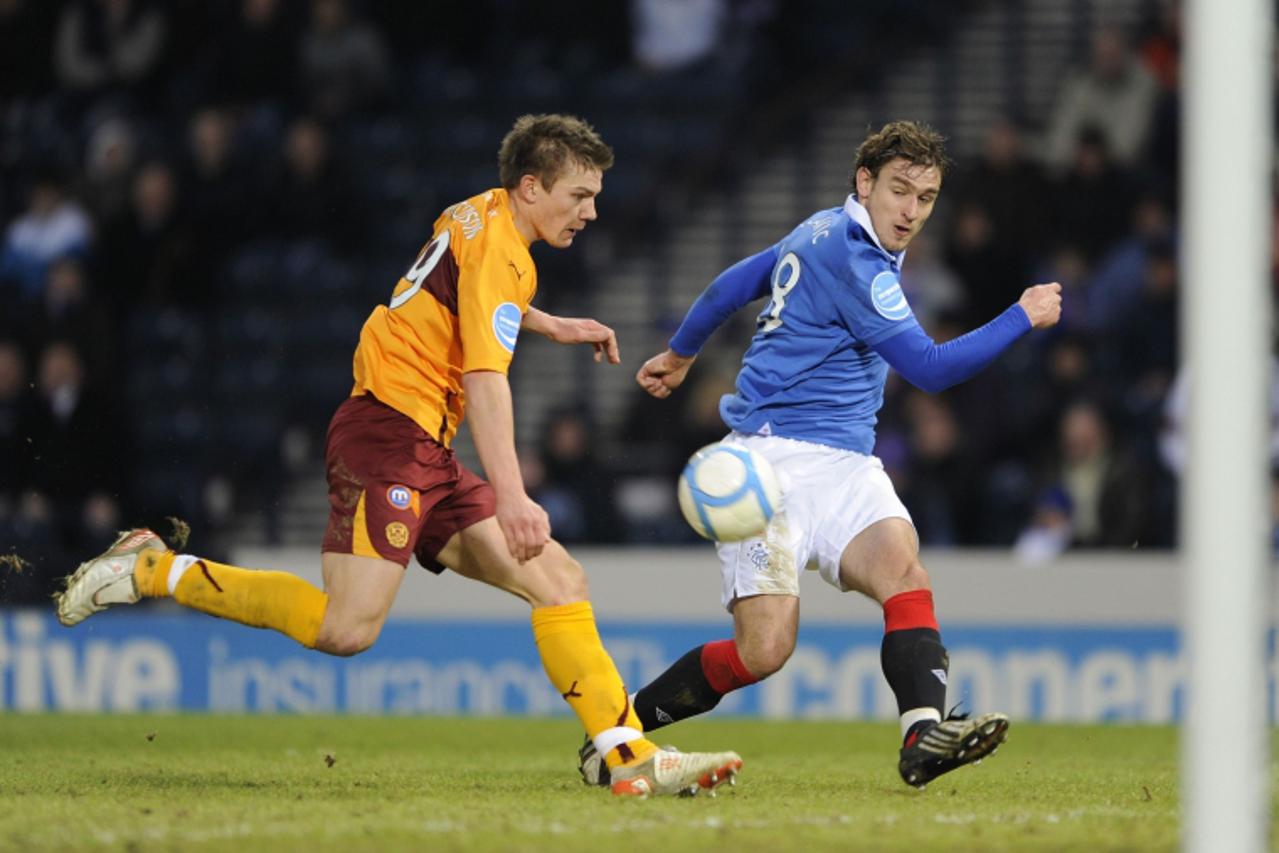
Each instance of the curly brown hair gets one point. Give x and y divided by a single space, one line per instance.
917 142
545 145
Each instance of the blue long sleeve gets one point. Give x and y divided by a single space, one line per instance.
935 368
743 282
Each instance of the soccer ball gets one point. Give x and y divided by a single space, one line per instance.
728 492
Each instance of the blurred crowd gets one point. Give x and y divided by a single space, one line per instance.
194 193
1070 441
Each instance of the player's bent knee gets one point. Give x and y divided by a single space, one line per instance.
349 640
566 582
345 645
763 658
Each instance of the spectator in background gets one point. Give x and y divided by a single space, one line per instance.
13 404
74 445
314 197
942 471
1067 371
53 226
577 485
110 47
1113 290
1161 54
256 54
933 288
150 258
69 311
1148 345
110 157
674 35
1160 49
1103 481
1115 95
1092 201
985 261
345 66
1007 187
218 188
1050 530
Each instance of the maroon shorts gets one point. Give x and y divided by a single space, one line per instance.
394 490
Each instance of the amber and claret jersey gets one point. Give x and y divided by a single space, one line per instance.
457 309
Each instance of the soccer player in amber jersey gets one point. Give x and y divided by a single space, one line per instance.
441 347
807 396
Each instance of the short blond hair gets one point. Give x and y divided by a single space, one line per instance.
545 145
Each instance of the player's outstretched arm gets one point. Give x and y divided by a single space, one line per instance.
932 367
491 416
1042 304
664 372
574 330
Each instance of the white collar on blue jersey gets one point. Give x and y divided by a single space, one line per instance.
858 214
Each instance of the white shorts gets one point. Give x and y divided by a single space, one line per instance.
828 497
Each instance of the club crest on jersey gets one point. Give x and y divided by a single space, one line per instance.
886 293
506 324
400 497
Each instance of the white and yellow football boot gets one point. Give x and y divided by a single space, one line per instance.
673 772
107 579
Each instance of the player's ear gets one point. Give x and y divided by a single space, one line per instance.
528 188
864 181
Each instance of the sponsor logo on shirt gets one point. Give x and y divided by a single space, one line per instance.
888 298
506 324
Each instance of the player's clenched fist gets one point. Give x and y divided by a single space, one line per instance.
664 372
525 525
1042 304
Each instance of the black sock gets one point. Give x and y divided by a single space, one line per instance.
680 692
915 664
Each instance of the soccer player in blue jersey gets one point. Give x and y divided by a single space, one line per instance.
807 395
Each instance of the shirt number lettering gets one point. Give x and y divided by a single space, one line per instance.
431 254
785 277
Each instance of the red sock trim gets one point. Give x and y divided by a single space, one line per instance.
723 667
912 609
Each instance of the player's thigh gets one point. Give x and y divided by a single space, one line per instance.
480 552
765 628
361 591
883 560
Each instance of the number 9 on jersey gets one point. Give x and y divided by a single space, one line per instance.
728 492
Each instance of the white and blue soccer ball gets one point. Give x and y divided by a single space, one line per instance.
728 492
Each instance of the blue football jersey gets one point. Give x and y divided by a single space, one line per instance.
810 372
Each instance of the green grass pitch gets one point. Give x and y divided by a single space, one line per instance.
187 782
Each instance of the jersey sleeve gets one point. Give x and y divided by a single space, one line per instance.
873 306
743 282
934 368
490 307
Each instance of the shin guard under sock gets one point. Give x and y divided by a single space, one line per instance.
692 685
913 658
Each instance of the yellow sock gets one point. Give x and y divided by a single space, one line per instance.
584 674
262 599
151 573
